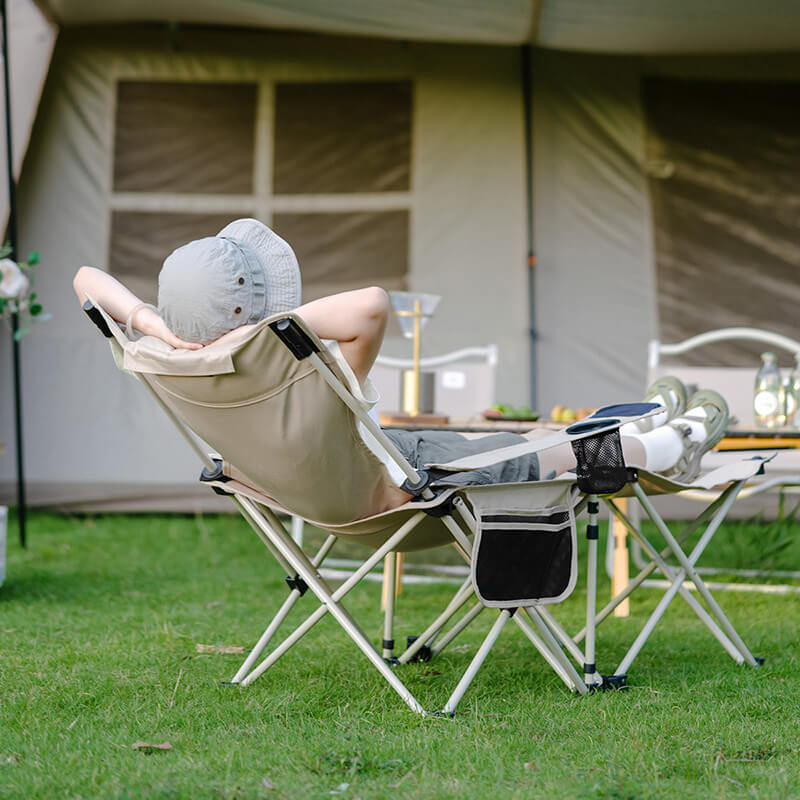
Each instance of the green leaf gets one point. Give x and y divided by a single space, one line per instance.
20 332
35 309
33 258
32 296
5 250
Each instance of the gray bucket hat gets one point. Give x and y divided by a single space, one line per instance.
238 277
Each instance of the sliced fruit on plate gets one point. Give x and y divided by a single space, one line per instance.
566 414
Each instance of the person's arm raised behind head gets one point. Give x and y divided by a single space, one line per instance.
357 320
118 302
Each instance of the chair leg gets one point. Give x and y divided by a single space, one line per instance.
266 637
724 632
297 530
656 615
550 650
475 664
590 673
456 629
571 645
688 562
389 580
647 569
463 547
426 638
282 613
677 582
271 528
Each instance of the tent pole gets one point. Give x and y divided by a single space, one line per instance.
12 238
527 110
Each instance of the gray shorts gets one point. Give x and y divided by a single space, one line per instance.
438 447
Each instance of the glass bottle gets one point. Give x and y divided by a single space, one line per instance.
768 397
792 394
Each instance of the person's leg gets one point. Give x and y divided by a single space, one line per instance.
421 448
657 451
674 449
561 459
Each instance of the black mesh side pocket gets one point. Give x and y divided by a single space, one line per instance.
525 557
601 467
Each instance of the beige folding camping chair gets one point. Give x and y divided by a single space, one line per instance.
284 423
277 410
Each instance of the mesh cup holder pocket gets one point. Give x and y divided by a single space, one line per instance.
523 558
601 466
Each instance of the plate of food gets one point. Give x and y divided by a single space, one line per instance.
566 415
505 411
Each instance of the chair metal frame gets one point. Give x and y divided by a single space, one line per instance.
716 621
303 572
656 348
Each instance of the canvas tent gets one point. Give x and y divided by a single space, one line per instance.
656 172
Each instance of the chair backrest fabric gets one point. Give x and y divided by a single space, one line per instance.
275 418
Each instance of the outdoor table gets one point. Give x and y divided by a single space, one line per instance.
477 425
738 438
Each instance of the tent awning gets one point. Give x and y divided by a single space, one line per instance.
622 26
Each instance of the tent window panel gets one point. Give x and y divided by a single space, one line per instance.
184 137
342 137
140 241
723 161
342 251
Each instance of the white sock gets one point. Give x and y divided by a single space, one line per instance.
664 446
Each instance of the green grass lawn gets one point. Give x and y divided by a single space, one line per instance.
99 619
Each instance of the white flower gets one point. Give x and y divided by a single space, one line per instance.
13 281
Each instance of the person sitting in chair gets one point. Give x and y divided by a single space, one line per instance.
214 289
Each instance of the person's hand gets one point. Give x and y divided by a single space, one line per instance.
150 324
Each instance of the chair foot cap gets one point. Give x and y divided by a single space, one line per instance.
423 654
610 683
